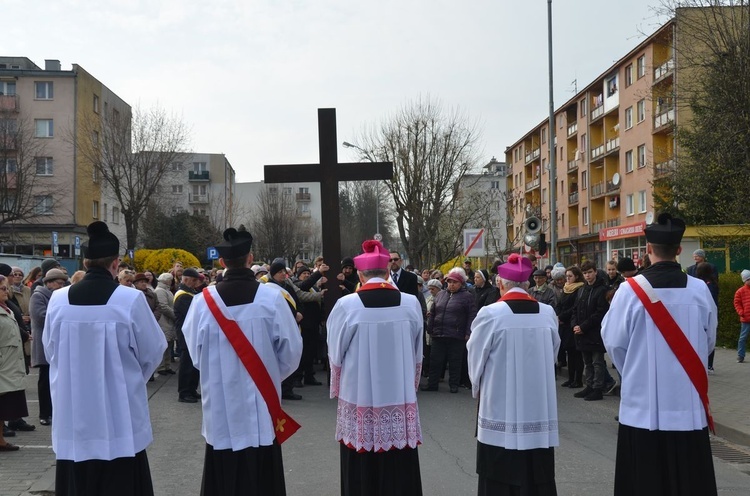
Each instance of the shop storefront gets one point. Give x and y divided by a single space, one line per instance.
624 241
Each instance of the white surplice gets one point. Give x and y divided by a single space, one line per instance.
101 357
656 392
376 361
511 360
235 415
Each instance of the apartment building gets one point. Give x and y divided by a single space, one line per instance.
486 194
44 108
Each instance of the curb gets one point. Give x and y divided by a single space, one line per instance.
732 434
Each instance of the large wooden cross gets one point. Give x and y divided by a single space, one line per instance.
328 173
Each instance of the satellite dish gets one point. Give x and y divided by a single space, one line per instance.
649 218
616 179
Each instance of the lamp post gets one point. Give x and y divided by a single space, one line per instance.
368 156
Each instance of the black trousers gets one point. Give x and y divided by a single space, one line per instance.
45 398
129 476
310 337
575 366
188 376
446 350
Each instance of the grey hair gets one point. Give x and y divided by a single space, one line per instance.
369 273
514 284
558 273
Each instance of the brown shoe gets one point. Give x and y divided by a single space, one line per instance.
8 447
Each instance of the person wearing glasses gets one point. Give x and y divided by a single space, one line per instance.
404 280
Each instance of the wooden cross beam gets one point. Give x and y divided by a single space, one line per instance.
328 173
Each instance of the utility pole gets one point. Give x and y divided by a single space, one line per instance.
552 246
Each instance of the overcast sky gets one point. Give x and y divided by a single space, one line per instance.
248 76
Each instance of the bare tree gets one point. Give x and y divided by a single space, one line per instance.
278 229
132 155
365 213
431 150
22 162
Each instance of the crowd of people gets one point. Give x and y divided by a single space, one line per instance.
504 333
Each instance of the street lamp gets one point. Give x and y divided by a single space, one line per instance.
368 155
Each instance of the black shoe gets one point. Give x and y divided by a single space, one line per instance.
454 389
595 395
298 383
20 425
46 421
196 394
313 382
188 399
584 392
291 396
7 432
428 388
566 383
576 385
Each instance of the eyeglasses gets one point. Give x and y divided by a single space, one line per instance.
395 259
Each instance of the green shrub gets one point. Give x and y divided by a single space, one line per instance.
729 323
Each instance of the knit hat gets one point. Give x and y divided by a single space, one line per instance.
49 263
54 275
301 269
102 243
277 267
347 262
5 269
166 278
745 275
434 283
517 268
374 256
699 253
237 243
191 273
259 269
420 280
457 274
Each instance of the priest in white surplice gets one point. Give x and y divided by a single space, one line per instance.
663 445
511 356
375 352
103 344
242 453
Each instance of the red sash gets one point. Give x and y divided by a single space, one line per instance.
677 342
516 295
376 285
284 425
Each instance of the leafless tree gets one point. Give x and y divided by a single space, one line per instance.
21 184
131 154
278 229
431 149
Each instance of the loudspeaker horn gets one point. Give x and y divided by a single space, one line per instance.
532 225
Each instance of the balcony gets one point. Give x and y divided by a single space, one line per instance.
573 232
663 118
664 168
612 186
198 176
612 145
664 70
572 129
597 112
303 197
598 189
533 184
613 222
598 226
573 198
9 103
572 165
198 198
532 155
597 153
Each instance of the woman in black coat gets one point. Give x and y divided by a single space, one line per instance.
574 283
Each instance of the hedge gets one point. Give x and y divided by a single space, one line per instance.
163 260
729 323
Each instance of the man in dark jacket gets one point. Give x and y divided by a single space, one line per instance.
587 326
405 280
188 376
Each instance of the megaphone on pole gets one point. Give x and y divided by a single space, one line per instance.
532 225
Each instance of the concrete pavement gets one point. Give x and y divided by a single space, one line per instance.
584 460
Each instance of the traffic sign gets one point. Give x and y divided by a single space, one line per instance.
55 245
77 246
474 243
212 253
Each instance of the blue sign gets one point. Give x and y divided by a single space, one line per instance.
131 254
55 245
212 253
77 245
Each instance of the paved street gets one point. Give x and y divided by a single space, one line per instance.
585 458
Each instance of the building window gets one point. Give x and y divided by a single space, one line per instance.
95 139
8 88
95 209
611 86
176 166
43 205
628 117
96 103
629 204
44 166
304 191
104 211
629 161
287 191
304 207
641 110
544 135
176 189
583 142
199 211
584 180
95 174
642 156
628 75
495 185
544 196
199 167
641 66
116 215
582 106
44 90
585 215
642 201
44 128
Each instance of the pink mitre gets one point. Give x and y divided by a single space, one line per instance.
375 256
517 268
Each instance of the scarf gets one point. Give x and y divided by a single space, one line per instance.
571 287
